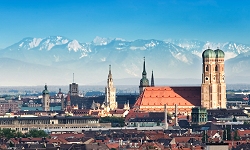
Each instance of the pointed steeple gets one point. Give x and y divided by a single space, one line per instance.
144 73
110 93
110 79
152 80
110 74
144 81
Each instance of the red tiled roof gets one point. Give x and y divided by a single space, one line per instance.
117 111
184 139
243 133
113 145
67 135
133 114
182 96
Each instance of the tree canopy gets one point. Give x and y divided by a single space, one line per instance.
9 133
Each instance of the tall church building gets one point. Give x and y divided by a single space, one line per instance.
144 80
110 94
46 99
213 87
210 95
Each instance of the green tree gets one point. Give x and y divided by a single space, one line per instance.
229 135
119 120
36 133
204 137
9 133
236 135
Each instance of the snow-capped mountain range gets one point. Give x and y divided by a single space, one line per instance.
53 60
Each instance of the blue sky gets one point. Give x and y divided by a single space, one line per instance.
83 20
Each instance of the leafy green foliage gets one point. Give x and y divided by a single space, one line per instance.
36 133
204 137
113 120
229 136
9 133
236 135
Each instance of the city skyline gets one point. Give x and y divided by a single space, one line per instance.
84 20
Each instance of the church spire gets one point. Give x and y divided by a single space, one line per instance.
110 74
110 79
110 93
144 81
144 73
152 79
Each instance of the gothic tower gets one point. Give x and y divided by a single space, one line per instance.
110 93
144 81
213 88
46 99
152 79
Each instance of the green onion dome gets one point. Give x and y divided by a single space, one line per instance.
208 54
219 53
45 91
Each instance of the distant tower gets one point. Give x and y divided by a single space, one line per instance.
152 79
73 88
68 108
144 81
126 106
110 93
213 88
46 99
60 95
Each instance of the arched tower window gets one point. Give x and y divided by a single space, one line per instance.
207 68
216 68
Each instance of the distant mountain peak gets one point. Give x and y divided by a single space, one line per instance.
100 41
167 58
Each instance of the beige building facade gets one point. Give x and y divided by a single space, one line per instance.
213 87
25 124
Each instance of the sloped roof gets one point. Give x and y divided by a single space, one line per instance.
186 96
210 126
134 114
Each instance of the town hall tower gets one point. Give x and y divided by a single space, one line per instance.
110 94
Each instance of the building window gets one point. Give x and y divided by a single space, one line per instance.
216 68
207 68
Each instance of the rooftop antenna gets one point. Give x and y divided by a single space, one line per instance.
73 78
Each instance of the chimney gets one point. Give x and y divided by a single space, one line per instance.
166 116
176 115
